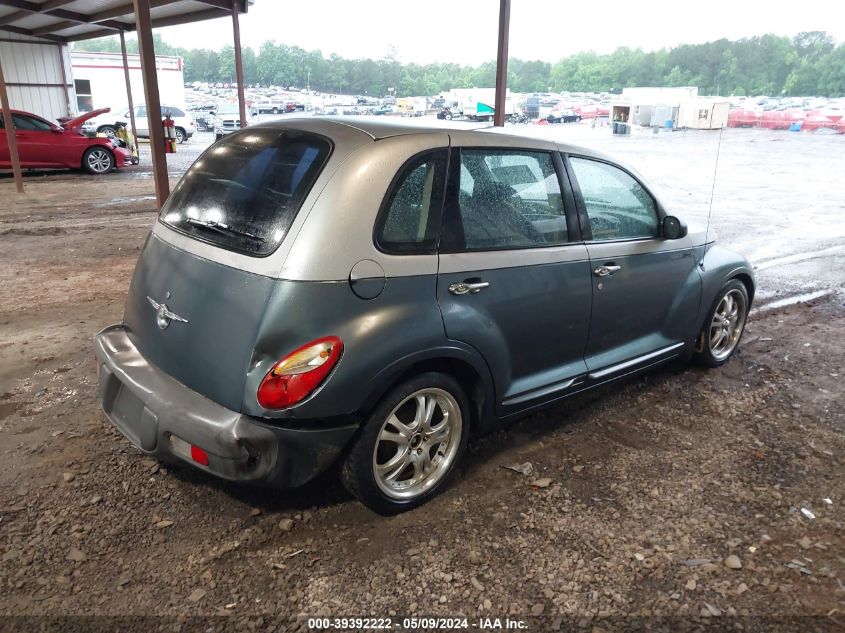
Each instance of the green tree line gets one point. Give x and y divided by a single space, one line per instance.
809 64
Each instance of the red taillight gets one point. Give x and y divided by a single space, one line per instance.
199 455
299 373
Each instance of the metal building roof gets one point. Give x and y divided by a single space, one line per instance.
71 20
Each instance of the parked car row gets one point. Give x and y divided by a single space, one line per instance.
272 106
832 120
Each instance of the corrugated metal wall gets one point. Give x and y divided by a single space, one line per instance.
28 60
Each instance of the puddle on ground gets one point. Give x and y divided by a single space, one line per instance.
788 301
120 199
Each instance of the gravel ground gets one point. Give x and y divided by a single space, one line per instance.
675 500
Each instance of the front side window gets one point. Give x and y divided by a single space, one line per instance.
508 199
618 206
141 111
30 124
244 192
411 216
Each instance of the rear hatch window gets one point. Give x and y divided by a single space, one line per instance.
244 192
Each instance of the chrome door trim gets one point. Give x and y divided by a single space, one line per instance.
601 373
608 249
513 258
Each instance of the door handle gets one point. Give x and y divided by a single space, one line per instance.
468 287
606 270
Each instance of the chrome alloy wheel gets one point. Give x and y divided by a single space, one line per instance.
727 324
417 443
99 161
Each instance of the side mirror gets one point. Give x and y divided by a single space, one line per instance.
674 228
58 130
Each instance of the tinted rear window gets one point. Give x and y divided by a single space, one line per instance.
244 192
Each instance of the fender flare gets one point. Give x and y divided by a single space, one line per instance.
455 351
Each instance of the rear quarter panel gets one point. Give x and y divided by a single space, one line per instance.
382 338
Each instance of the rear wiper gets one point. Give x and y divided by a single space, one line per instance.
224 229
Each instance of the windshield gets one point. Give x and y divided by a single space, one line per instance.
228 108
244 192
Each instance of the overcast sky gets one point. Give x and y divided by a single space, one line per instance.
464 31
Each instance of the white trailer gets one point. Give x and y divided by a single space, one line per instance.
704 113
99 80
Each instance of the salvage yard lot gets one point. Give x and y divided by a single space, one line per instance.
696 493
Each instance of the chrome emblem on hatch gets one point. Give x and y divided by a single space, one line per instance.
163 315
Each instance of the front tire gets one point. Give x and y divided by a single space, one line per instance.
97 160
409 445
723 327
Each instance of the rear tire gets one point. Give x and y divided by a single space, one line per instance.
108 130
181 136
723 327
409 446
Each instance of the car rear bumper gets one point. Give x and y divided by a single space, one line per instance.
149 407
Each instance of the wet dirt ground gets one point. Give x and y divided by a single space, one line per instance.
675 498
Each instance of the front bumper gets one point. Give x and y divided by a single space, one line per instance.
122 157
148 407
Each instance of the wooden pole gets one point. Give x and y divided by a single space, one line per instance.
239 63
502 62
153 102
9 126
68 110
128 86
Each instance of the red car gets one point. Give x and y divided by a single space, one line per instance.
45 144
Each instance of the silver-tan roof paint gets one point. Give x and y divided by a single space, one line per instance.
334 227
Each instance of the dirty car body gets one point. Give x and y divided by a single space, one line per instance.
317 290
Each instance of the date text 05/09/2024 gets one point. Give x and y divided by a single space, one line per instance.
417 623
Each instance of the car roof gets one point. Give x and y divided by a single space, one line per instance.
378 128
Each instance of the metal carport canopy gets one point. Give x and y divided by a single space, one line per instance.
73 20
64 21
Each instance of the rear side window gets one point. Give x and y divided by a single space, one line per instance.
410 216
244 192
507 199
617 205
